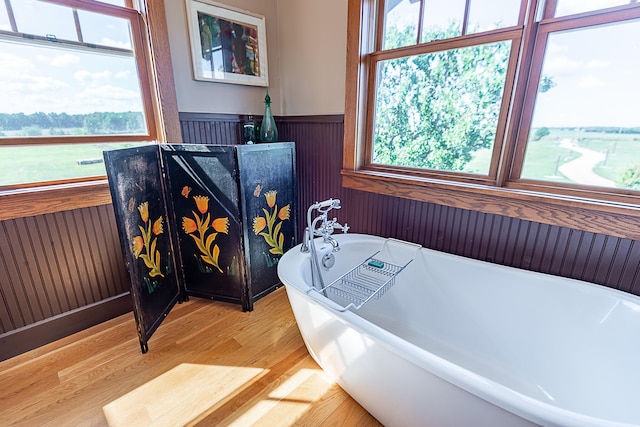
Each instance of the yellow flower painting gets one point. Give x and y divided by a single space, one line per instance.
204 232
272 221
144 246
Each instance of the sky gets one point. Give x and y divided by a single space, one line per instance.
593 72
41 79
594 82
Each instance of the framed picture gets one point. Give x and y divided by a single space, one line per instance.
228 45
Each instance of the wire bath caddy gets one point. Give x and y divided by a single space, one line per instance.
368 280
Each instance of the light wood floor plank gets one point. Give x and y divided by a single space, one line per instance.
209 364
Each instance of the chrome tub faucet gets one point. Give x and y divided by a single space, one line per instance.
321 226
327 226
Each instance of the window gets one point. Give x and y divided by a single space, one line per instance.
75 81
585 128
524 108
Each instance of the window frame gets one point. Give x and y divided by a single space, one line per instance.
548 26
511 34
599 210
153 58
139 53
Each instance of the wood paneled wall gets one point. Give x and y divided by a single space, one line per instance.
597 258
218 129
57 264
63 272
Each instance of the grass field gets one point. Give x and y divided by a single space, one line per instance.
19 165
621 151
545 156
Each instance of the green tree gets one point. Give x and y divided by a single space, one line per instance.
540 133
435 110
93 123
546 83
30 131
630 178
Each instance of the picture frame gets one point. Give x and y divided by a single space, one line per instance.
228 45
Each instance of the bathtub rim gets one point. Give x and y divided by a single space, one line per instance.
508 399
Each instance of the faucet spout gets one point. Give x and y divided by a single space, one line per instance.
304 247
333 242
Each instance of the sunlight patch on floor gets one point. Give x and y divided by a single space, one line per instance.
288 402
180 395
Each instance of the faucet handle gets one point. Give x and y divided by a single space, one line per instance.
344 227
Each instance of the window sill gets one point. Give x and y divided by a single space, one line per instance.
615 219
55 198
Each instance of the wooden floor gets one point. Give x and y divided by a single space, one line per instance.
209 364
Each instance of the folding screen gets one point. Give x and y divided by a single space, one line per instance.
208 221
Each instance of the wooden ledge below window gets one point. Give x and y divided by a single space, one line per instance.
596 216
54 198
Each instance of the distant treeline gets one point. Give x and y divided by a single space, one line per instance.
605 129
92 123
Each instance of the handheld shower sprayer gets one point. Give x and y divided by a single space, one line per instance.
327 205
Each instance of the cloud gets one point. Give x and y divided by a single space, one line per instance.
20 75
108 98
64 60
595 64
560 64
45 101
33 79
59 61
591 82
11 65
568 7
21 85
123 75
44 83
107 93
88 78
114 43
557 61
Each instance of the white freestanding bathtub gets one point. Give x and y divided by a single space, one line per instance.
460 342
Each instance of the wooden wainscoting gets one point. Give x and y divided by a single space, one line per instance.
59 273
49 267
210 365
594 257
